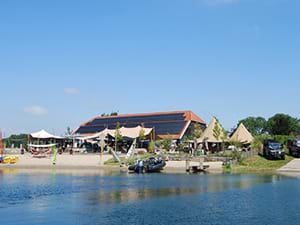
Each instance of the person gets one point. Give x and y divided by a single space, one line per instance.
54 150
141 166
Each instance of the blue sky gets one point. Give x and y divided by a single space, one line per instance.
65 61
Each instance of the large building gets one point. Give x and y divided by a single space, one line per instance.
165 124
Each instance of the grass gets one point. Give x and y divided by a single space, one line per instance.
258 164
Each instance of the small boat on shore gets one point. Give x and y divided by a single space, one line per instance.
151 165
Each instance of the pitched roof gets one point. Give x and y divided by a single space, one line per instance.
242 135
189 115
172 124
209 133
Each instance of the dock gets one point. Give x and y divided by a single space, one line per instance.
196 164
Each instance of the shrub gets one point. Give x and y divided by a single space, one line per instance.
151 147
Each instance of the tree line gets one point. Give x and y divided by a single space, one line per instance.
279 124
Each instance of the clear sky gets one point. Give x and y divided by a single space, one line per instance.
65 61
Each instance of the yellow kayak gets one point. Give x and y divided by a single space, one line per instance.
10 159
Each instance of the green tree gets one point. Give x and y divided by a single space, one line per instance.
110 114
220 134
68 131
142 135
114 113
118 135
151 147
255 125
166 143
17 140
283 124
196 131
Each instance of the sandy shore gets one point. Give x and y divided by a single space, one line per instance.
89 163
180 166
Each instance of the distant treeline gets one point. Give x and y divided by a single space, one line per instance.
16 140
279 124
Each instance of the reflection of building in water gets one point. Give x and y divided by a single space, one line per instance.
140 194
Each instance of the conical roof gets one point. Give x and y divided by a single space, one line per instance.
242 135
210 133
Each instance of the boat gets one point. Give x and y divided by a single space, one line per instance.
10 159
150 165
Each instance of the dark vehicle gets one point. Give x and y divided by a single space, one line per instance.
150 165
273 150
294 147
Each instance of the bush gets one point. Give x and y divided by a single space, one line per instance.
151 147
257 143
166 143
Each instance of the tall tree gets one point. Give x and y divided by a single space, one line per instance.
196 131
283 124
68 131
142 135
118 135
255 125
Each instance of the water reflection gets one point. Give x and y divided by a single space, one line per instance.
205 184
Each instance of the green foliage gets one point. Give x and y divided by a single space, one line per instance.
151 147
68 131
109 114
217 132
183 143
196 131
17 140
118 135
283 139
283 124
257 164
235 143
255 125
166 143
257 143
142 135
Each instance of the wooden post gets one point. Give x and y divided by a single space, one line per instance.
187 165
201 162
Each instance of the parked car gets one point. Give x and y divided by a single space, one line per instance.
294 147
273 150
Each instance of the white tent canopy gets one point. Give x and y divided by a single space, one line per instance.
42 134
125 132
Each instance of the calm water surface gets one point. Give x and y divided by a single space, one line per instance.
122 198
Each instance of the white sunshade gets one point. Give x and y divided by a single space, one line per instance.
125 132
44 135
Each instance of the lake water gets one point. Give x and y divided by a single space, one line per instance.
148 199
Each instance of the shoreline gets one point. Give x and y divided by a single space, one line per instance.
91 163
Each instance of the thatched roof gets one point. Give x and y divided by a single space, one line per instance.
210 133
242 135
